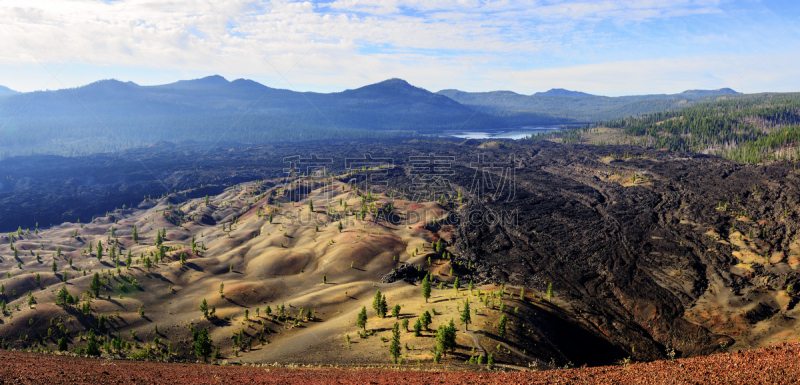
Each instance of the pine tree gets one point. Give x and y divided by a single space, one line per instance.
384 307
394 348
501 328
206 200
204 308
446 338
490 361
310 205
99 251
96 285
418 327
203 345
362 319
376 303
405 323
62 296
135 235
54 266
340 227
62 344
92 347
396 311
426 319
549 291
426 288
465 315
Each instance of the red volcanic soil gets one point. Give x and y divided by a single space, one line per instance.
771 365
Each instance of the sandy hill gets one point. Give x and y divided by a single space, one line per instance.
281 281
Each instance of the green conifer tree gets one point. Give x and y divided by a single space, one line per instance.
203 345
96 285
466 319
501 328
62 344
426 288
394 347
92 347
361 321
376 303
204 308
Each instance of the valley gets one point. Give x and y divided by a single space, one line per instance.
620 252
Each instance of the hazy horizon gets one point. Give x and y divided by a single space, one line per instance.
344 89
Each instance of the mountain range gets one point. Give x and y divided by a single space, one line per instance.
109 115
571 107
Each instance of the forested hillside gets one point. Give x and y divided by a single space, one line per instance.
112 115
571 107
745 128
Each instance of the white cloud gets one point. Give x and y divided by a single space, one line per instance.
742 73
434 43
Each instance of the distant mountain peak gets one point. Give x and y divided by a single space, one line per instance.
562 92
391 86
213 79
208 81
109 84
719 91
241 82
394 81
7 91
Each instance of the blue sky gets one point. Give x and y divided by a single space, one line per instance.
601 47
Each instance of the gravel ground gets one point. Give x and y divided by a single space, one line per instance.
771 365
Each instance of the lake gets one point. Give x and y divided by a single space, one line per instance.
512 133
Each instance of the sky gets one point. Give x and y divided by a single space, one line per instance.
603 47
